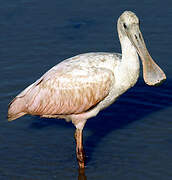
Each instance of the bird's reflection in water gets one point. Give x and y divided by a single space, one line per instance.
81 174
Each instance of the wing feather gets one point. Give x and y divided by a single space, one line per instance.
73 86
69 92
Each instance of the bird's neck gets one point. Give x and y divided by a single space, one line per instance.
128 70
129 53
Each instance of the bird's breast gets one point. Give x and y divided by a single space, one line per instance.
126 75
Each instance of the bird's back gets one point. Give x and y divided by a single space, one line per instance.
71 87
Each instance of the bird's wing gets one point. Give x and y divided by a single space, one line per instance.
68 91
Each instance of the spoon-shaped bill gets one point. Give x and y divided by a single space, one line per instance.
152 73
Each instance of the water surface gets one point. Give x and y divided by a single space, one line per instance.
129 140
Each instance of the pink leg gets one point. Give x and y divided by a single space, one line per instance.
79 149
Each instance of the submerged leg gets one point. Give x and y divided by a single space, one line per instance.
79 148
81 174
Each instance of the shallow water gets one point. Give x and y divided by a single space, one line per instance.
129 140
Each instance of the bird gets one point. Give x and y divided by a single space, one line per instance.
78 88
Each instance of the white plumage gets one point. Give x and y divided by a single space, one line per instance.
79 87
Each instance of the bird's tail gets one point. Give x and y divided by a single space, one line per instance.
16 108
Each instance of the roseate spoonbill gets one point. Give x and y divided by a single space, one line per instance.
79 87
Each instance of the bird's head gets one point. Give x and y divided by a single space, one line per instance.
128 26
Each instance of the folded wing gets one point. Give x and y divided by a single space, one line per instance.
63 92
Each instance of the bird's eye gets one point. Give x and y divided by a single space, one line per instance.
125 26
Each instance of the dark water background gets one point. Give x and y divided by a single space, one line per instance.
131 140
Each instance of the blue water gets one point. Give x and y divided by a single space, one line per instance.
129 140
